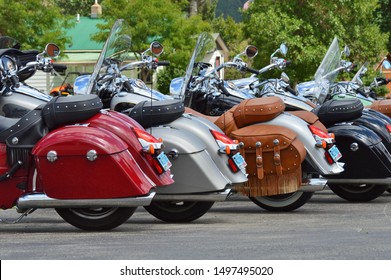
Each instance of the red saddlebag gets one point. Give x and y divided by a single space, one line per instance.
274 156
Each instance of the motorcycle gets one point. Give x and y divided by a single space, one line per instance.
360 133
261 124
109 164
207 164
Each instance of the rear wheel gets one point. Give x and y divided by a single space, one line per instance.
282 202
178 212
96 218
358 193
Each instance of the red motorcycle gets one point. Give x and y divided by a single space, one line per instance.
94 167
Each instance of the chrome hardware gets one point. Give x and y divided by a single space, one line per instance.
15 140
354 146
92 155
52 156
173 154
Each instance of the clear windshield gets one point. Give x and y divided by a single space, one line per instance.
116 47
360 73
329 63
205 44
8 42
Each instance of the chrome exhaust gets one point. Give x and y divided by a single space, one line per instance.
313 185
43 201
210 196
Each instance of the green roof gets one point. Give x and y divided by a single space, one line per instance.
81 35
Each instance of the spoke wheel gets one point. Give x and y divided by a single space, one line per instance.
95 219
282 202
178 212
358 193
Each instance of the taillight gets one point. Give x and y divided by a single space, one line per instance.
323 139
149 143
231 148
388 127
152 149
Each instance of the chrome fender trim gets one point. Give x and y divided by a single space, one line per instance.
375 181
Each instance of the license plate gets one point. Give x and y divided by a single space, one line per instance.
165 163
239 161
335 153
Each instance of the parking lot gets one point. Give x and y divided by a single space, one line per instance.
327 227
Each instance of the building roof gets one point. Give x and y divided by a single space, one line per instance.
81 34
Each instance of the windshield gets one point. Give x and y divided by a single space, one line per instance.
116 47
329 63
205 44
8 43
360 73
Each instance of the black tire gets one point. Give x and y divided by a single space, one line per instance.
283 202
178 212
96 219
358 193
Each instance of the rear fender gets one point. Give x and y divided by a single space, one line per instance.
193 168
200 127
316 156
121 125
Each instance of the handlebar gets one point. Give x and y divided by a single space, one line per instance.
253 71
163 63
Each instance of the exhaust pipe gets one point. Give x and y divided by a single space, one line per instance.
375 181
211 196
43 201
313 185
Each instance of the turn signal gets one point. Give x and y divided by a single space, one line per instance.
318 132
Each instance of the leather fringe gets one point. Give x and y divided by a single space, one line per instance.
272 184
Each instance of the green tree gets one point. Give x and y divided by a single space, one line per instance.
309 26
33 23
383 18
74 7
161 20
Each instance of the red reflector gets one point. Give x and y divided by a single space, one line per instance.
222 137
328 158
232 165
317 131
159 169
388 126
140 133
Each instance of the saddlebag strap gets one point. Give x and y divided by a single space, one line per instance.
259 160
277 157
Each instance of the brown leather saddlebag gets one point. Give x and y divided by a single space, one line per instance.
382 106
274 156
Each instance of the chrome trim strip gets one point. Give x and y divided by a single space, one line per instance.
213 196
376 181
43 201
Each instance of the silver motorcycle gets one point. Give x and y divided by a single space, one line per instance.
207 165
202 90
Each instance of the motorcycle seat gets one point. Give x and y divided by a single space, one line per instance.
337 111
62 110
155 113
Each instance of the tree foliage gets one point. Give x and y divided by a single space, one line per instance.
74 7
309 26
161 20
33 23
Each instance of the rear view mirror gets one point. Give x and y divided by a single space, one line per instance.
156 48
283 49
52 50
386 64
346 51
251 51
